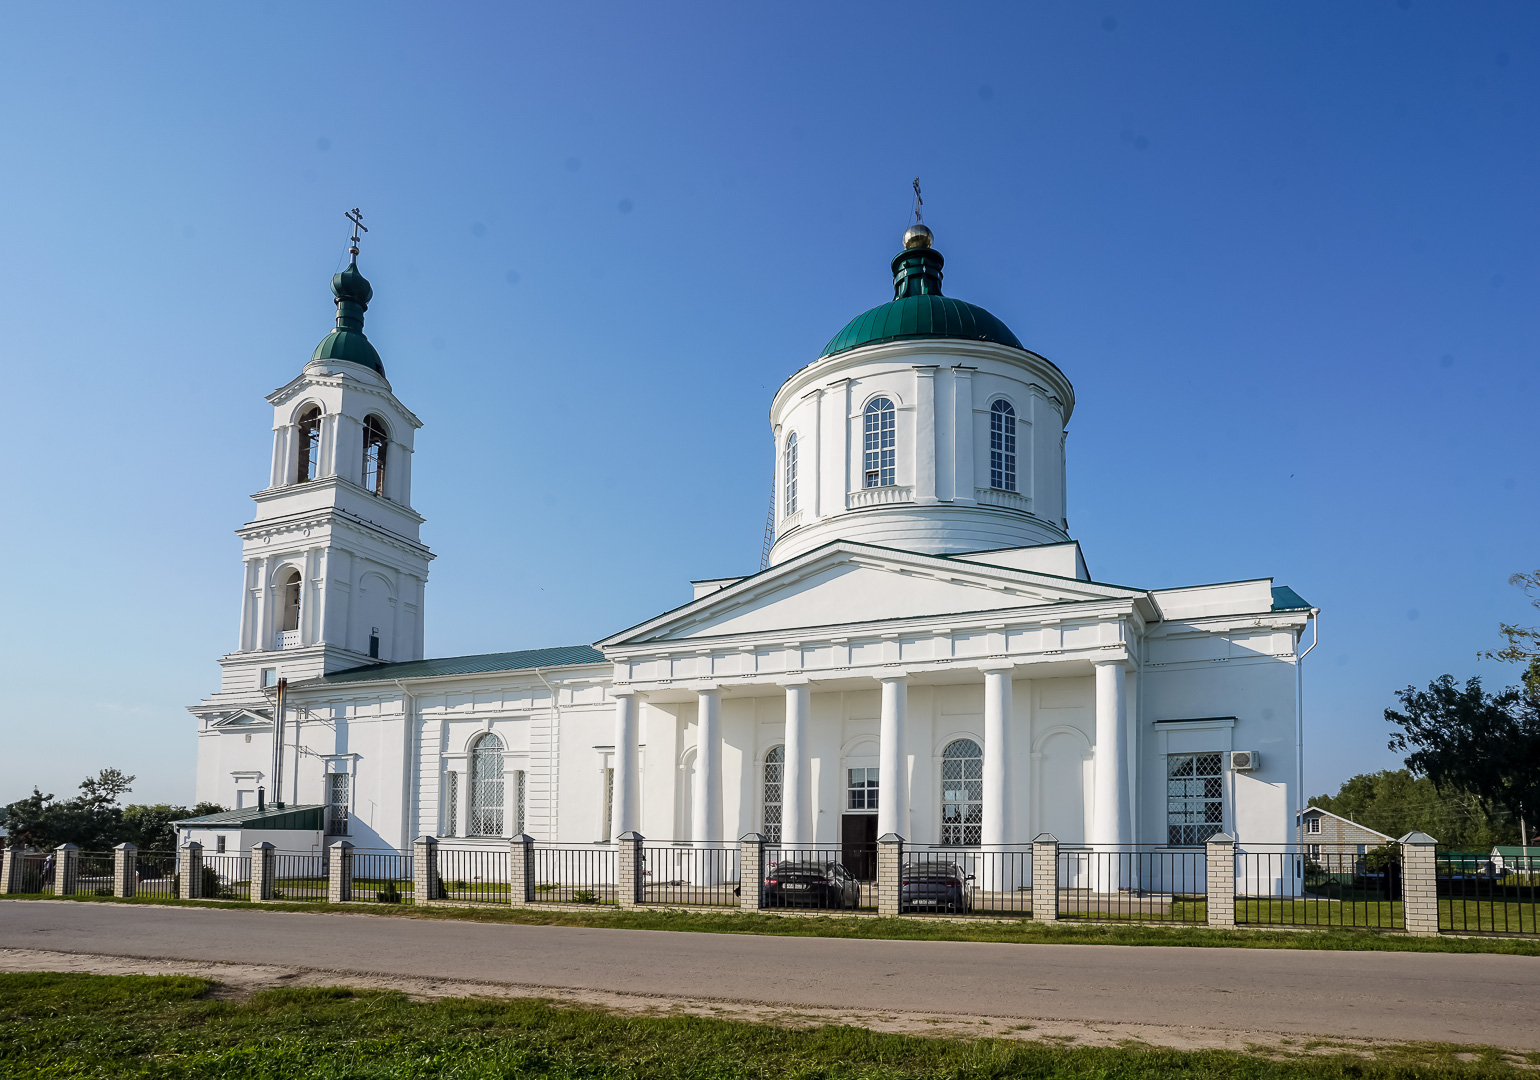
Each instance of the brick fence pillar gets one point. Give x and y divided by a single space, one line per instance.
264 862
751 871
1045 878
66 872
1219 877
424 870
629 870
339 876
890 865
1419 883
125 870
12 859
189 868
521 870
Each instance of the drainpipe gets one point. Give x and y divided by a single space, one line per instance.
1299 723
410 806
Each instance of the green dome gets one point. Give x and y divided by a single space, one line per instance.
918 309
353 293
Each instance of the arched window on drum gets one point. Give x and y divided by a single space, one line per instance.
486 787
1002 446
962 793
879 443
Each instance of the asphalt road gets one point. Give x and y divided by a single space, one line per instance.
1396 996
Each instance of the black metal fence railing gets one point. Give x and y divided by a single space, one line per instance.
155 875
1319 885
37 874
819 878
690 874
473 875
226 877
991 879
93 873
1132 883
299 876
1476 895
382 877
574 875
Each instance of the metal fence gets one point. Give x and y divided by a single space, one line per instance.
990 879
1477 897
227 877
383 877
690 874
574 875
93 873
818 879
155 875
1319 885
1133 883
473 875
299 876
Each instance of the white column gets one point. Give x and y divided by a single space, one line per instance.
706 813
925 434
1109 818
627 777
997 754
815 490
796 800
962 434
893 760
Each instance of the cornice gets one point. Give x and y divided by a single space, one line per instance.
326 483
341 381
326 517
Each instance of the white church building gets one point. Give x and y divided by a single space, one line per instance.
927 653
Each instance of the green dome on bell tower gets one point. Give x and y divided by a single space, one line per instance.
352 292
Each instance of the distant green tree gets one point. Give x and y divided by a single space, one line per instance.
148 826
1523 641
1395 803
93 820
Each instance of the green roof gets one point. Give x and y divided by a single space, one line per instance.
525 660
308 817
1286 599
353 293
918 310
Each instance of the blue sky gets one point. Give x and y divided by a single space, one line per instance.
1286 252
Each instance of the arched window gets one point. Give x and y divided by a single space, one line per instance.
962 793
791 475
309 445
374 455
775 772
486 791
288 601
879 443
1002 446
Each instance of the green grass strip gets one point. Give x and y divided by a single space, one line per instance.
66 1026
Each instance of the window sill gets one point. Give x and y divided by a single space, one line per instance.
880 496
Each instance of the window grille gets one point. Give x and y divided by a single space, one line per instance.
862 789
291 600
451 804
374 455
609 805
775 774
309 445
1194 798
880 428
1313 825
1314 850
1002 446
337 803
518 803
486 809
791 475
962 793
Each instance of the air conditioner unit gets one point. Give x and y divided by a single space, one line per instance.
1245 760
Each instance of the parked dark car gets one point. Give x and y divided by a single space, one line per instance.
799 883
934 886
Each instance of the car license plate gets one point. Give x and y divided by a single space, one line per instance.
921 903
793 885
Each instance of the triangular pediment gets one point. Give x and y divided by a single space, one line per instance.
846 583
243 717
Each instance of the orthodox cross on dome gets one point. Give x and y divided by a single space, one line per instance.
918 202
356 216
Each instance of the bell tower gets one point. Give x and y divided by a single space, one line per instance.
333 570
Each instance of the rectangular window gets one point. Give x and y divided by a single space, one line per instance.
269 677
1314 850
219 845
1195 802
451 804
862 789
1313 826
337 804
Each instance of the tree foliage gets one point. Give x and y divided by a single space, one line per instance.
1464 739
1523 641
1395 803
93 820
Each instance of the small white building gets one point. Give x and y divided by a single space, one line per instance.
927 653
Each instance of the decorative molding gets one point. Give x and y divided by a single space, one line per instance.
879 496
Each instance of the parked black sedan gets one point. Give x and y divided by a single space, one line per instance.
806 883
934 886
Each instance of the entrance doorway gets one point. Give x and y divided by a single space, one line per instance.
858 845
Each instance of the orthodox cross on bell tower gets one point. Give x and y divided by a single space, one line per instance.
356 216
918 202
